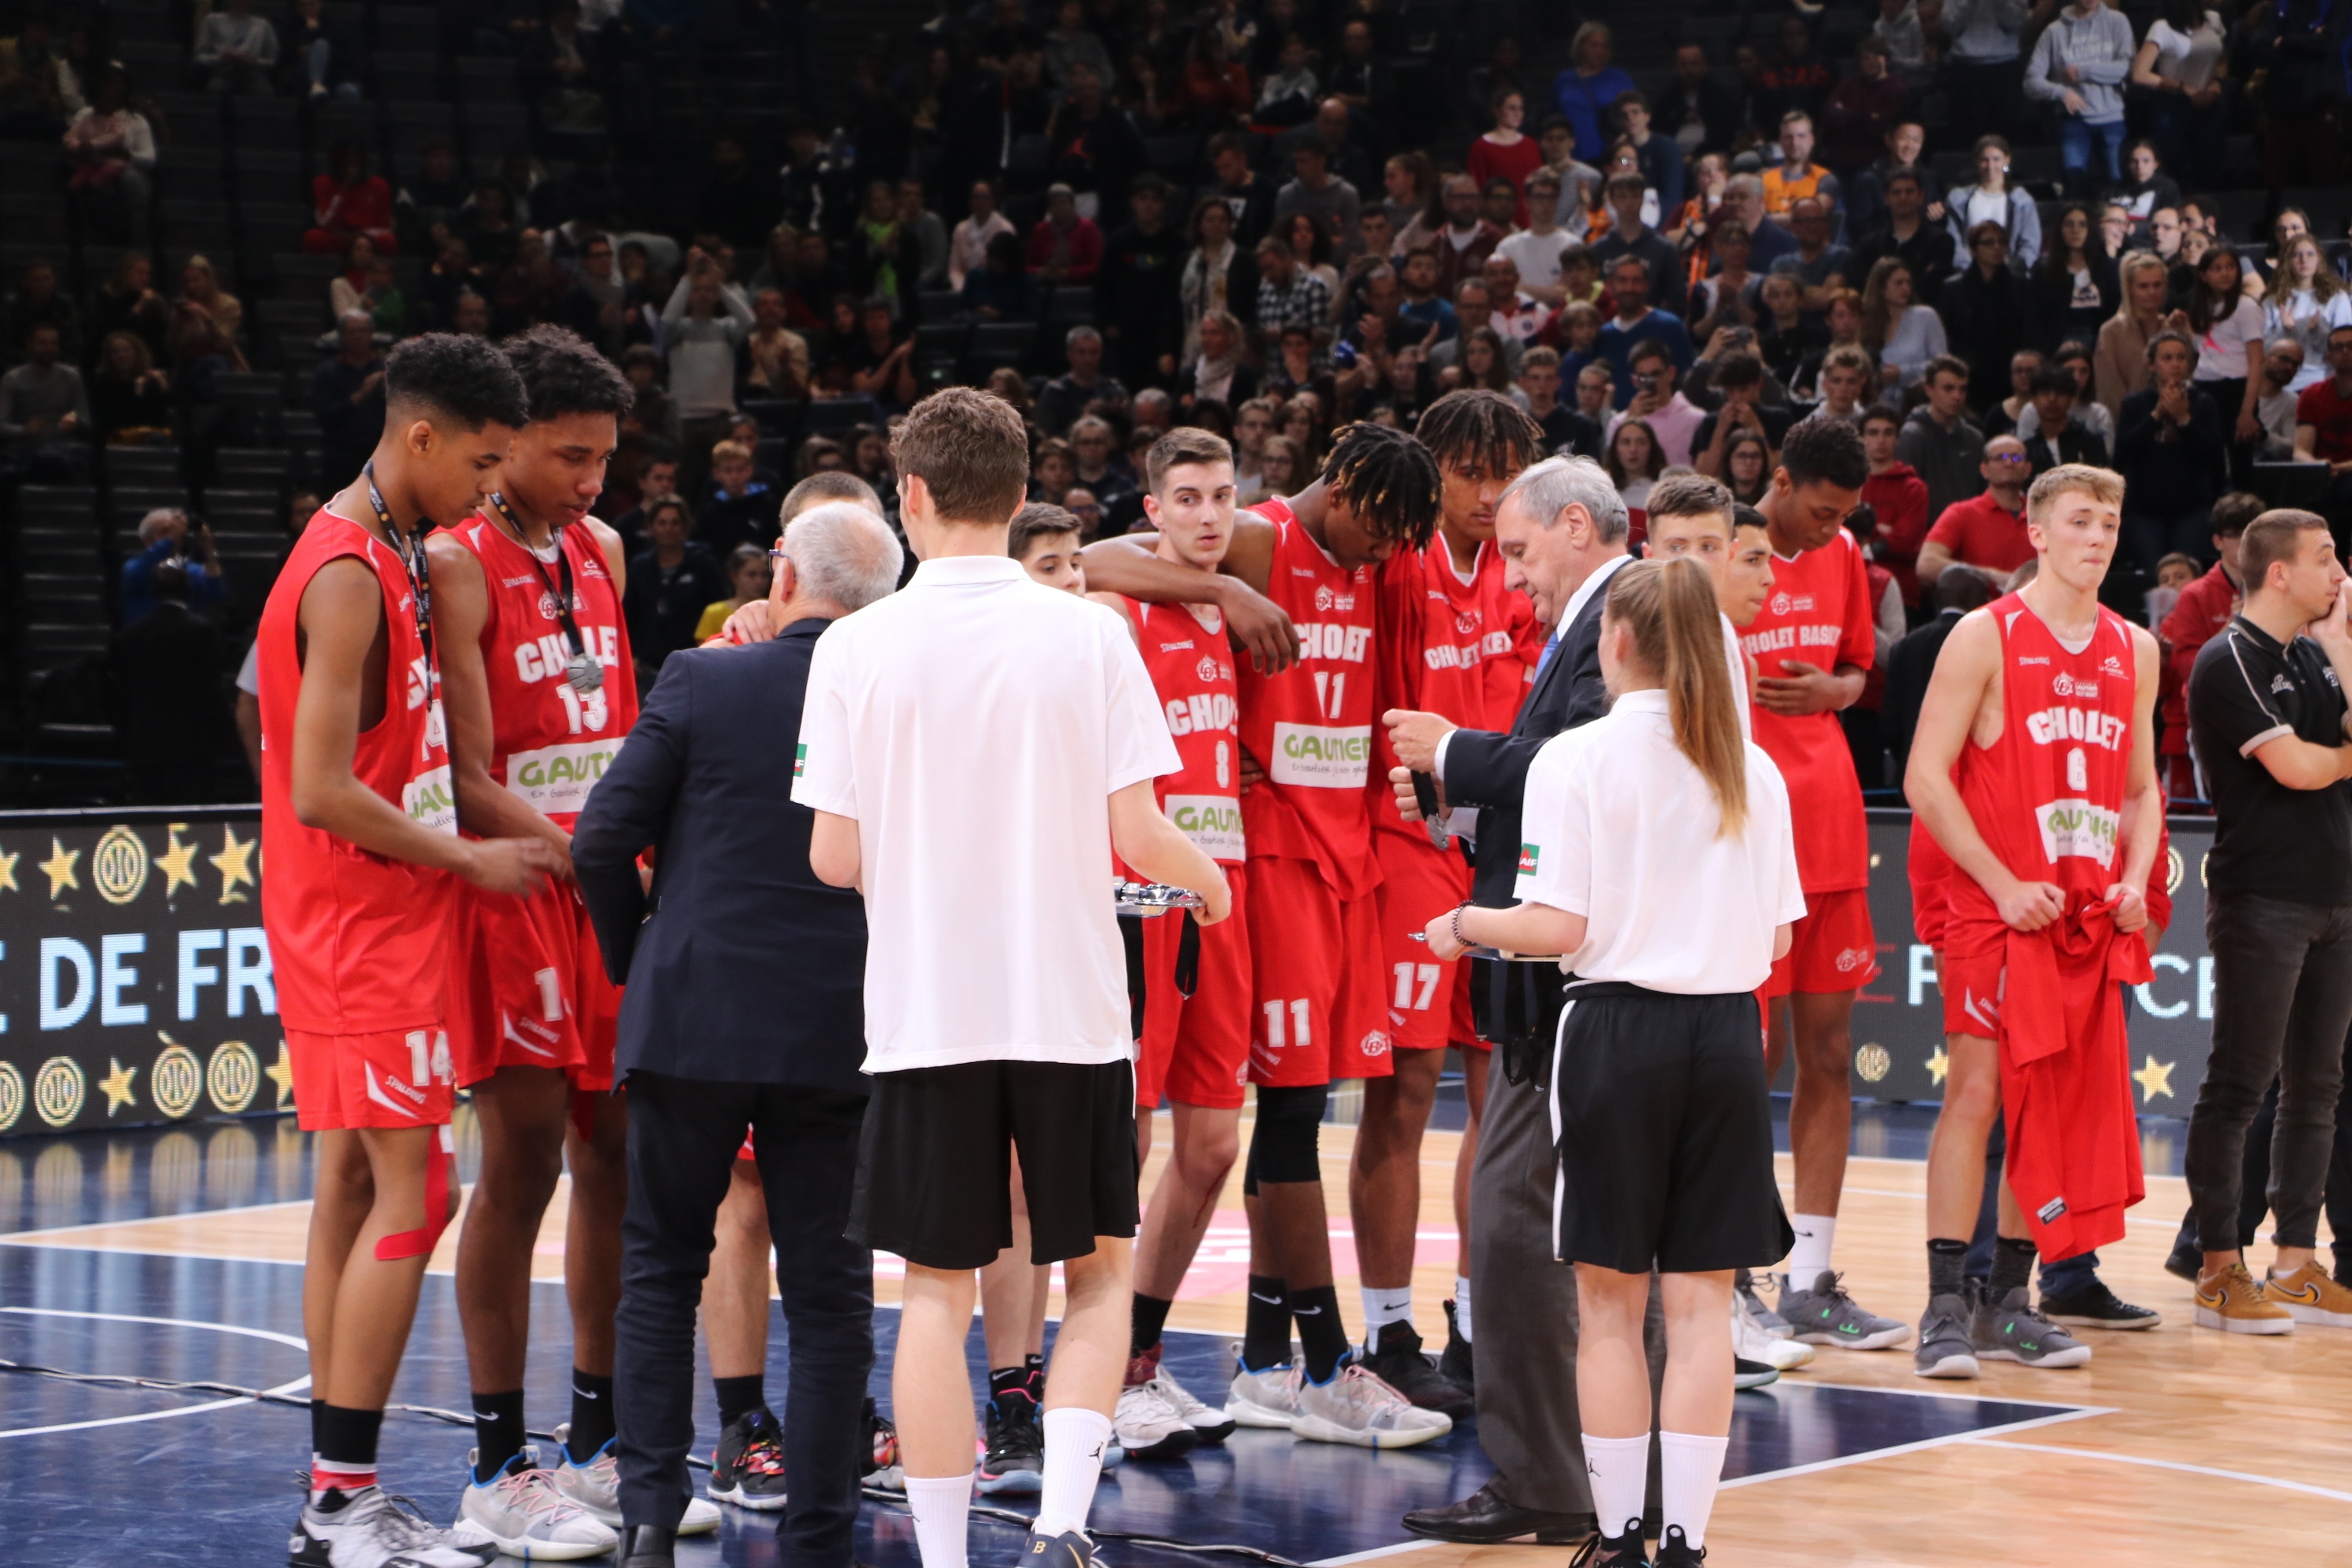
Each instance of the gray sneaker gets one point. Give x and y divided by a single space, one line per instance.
1944 1348
1826 1315
1744 1297
2013 1330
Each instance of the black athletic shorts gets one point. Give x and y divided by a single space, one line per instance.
935 1165
1662 1119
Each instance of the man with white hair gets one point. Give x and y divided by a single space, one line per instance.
164 533
709 1044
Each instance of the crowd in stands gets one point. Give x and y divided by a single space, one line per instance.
1999 236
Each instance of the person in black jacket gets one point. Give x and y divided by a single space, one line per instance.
1988 312
1137 288
1565 529
170 706
715 1036
2171 452
1958 589
669 586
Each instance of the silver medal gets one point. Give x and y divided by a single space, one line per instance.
584 673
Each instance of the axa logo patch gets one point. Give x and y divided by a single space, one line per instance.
1528 856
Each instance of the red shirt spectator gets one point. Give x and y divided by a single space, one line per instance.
1899 496
2327 406
1983 534
2204 608
348 202
1065 249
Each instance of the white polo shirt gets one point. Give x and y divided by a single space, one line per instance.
975 724
1620 828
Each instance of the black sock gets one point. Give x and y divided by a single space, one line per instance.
1008 1383
316 1405
1321 1335
1150 1318
2013 1267
739 1396
592 1415
347 1437
1266 1330
498 1431
1945 1261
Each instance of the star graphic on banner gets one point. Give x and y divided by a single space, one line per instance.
116 1086
235 864
60 867
179 863
8 871
1938 1065
281 1073
2155 1079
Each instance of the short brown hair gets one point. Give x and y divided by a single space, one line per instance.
729 452
1190 444
1848 356
970 450
1038 520
2103 484
2272 537
2232 511
1944 364
830 485
1689 495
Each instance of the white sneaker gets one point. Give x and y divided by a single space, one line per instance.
1208 1424
522 1514
1357 1407
596 1488
1749 1341
369 1530
1148 1426
1265 1398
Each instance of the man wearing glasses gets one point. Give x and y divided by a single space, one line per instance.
1988 530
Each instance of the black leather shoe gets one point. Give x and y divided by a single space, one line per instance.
1485 1517
647 1546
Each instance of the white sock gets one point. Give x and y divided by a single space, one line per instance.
1619 1470
1075 1439
941 1505
1462 1305
1810 1258
1688 1469
1389 1305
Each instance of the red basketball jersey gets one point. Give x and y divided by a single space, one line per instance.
1191 669
1311 727
1466 650
2048 795
1819 614
551 743
358 943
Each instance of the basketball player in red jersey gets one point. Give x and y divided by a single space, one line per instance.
528 604
1318 1005
1454 643
359 827
1812 644
2034 768
1194 1048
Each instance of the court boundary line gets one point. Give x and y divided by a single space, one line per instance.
271 1334
2149 1461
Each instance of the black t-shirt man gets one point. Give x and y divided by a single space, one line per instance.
2269 840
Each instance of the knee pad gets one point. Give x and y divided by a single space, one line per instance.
440 1163
1283 1142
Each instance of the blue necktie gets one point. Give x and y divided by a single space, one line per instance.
1551 646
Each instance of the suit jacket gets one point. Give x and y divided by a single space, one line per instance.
740 966
1490 771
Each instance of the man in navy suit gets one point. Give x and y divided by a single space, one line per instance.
743 1009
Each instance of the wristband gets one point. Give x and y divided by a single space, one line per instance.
1457 924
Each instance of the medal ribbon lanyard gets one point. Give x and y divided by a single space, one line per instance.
411 551
581 669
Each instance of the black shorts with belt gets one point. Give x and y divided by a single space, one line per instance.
1663 1121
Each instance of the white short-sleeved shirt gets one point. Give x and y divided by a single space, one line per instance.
2222 352
975 725
1620 828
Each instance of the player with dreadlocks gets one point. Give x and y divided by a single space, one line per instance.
1306 568
1454 642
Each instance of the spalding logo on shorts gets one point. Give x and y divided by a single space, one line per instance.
1852 959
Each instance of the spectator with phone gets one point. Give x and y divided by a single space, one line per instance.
167 537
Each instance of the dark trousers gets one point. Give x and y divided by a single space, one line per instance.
2282 1003
2254 1177
684 1135
1985 98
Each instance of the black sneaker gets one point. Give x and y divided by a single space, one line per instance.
1676 1552
2185 1257
1398 1362
1613 1551
1747 1374
1455 1366
1068 1550
1015 1459
2095 1306
748 1467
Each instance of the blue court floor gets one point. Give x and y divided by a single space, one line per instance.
113 1475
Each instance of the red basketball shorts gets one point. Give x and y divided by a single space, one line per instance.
1322 1011
398 1077
1196 1049
1428 1001
532 990
1832 949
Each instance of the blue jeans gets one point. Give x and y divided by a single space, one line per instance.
2075 135
2060 1278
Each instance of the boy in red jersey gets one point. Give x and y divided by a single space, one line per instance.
1812 644
359 827
527 609
1319 1002
2045 703
1454 643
